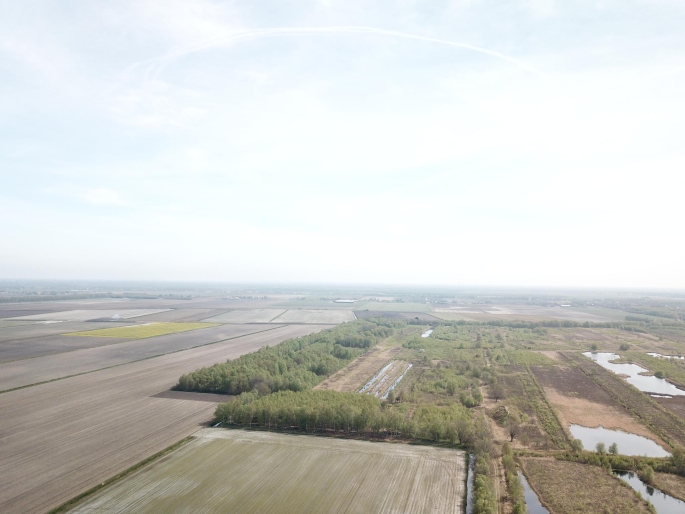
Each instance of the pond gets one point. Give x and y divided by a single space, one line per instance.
663 503
659 356
628 444
533 505
647 384
427 333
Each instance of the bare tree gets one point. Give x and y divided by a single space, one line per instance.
497 392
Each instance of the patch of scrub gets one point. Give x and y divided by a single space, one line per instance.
533 505
647 384
628 444
663 503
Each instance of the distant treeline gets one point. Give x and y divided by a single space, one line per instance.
295 365
51 297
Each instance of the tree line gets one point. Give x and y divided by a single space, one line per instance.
295 365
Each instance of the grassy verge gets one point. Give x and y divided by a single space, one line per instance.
77 499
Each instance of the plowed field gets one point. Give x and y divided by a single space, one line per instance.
62 438
256 472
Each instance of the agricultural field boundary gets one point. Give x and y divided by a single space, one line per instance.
69 504
145 331
543 410
137 360
662 422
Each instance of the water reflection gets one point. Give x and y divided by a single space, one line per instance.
533 505
628 444
663 503
647 384
427 333
659 356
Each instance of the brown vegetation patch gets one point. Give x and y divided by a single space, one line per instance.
353 376
571 382
550 354
670 484
570 487
580 411
676 405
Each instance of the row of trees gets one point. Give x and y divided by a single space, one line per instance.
295 365
348 413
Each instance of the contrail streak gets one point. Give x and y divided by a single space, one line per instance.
158 64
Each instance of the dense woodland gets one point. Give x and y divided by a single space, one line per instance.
294 365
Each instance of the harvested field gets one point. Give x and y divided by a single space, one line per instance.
50 345
255 472
392 306
395 315
62 438
16 313
143 331
14 331
186 315
568 487
676 405
247 316
315 316
50 367
90 314
353 376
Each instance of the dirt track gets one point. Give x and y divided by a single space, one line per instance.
61 438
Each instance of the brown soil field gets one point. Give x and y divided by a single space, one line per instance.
676 405
589 414
246 316
90 314
49 345
62 438
670 484
256 472
570 488
50 367
395 315
353 376
14 313
578 400
187 315
13 331
315 316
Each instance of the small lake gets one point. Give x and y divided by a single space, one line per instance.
649 384
427 333
628 444
663 503
469 486
533 505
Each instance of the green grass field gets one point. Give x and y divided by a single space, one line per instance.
143 331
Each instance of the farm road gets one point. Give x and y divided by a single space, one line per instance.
50 367
62 438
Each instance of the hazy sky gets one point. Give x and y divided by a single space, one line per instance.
533 142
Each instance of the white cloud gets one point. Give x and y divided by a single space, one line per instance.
101 196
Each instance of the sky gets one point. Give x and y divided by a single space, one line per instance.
465 142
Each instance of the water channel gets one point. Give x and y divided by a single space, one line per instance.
533 505
659 356
663 503
647 384
628 444
427 333
469 486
